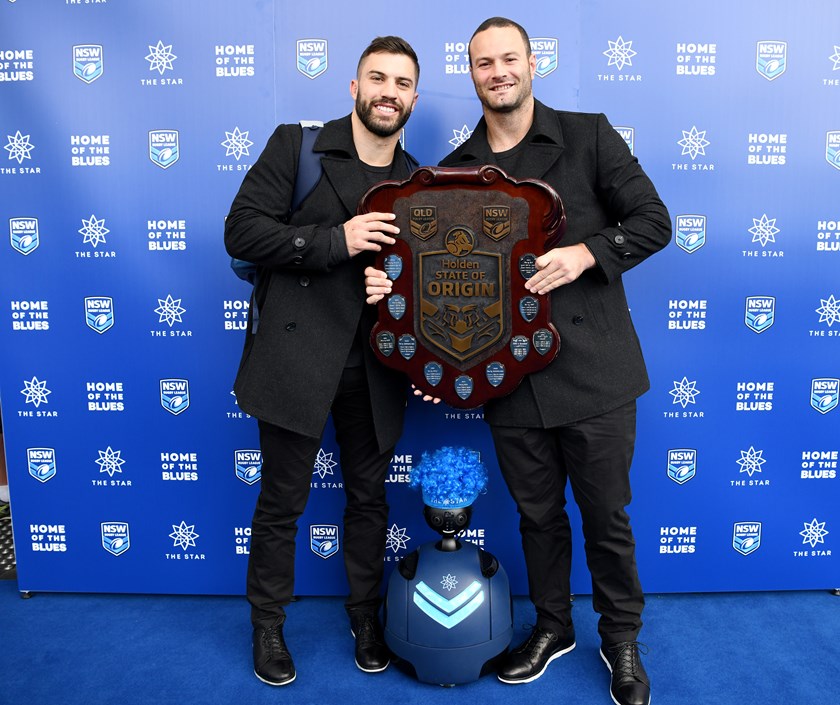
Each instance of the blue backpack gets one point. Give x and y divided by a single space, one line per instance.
306 179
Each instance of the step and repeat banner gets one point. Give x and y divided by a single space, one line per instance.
127 127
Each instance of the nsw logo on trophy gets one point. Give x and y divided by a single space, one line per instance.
459 320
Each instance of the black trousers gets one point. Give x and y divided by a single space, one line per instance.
288 464
595 456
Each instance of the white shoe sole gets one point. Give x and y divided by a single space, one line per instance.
275 684
537 675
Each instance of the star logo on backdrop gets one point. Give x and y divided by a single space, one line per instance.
110 461
237 143
449 582
751 461
160 57
814 532
835 57
35 392
94 231
764 230
396 539
620 53
694 143
829 311
170 310
324 464
19 147
461 136
684 392
183 535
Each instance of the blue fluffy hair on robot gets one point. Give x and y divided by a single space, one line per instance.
450 478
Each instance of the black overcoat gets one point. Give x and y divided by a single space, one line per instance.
613 208
310 293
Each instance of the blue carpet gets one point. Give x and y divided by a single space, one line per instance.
81 649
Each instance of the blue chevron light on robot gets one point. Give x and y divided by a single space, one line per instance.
448 607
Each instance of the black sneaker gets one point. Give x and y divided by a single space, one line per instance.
372 655
529 660
272 660
629 684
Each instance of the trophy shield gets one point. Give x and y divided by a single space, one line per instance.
459 320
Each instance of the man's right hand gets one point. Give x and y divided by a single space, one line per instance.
377 285
366 232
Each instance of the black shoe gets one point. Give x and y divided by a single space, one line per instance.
528 662
272 660
372 655
629 684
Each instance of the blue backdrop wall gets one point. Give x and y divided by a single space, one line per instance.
127 127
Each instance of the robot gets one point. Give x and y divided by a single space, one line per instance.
448 611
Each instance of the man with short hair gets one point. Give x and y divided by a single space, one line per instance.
308 357
576 419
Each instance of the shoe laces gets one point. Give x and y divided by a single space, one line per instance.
272 639
539 637
364 628
626 663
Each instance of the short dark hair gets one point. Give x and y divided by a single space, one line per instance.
390 45
501 23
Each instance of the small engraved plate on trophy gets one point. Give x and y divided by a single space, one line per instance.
464 386
543 340
407 345
385 342
528 265
396 306
528 308
520 346
433 372
495 372
393 267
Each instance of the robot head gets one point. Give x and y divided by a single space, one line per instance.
447 522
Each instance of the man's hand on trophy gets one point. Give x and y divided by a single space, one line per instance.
367 231
560 266
377 285
426 397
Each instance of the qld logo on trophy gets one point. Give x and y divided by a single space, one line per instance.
459 320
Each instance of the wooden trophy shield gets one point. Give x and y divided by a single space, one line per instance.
459 320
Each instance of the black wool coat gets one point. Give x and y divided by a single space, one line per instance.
613 208
310 293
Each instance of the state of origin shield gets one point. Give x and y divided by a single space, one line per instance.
459 320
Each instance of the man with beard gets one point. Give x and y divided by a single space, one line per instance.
308 358
575 421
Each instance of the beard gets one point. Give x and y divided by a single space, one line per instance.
524 92
377 124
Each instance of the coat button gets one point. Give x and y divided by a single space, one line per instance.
618 239
303 281
577 320
297 260
626 255
299 243
291 326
